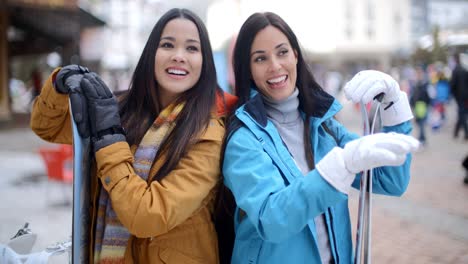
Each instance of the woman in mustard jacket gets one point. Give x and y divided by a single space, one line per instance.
157 150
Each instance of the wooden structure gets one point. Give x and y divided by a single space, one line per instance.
29 27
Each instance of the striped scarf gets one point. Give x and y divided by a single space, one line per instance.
111 236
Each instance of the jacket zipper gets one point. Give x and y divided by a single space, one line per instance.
262 142
332 227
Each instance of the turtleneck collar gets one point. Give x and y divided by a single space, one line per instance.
283 111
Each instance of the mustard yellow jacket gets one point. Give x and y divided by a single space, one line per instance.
170 220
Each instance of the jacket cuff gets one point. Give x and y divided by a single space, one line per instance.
114 163
107 140
397 113
333 169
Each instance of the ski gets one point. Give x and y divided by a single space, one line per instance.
81 218
363 248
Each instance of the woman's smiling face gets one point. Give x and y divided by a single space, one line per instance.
273 64
178 60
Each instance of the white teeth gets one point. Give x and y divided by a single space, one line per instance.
277 80
178 72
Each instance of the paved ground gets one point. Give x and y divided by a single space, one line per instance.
26 195
428 224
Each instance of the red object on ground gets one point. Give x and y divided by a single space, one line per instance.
58 162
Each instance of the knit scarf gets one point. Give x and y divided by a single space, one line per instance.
111 236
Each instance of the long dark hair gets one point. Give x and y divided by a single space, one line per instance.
140 106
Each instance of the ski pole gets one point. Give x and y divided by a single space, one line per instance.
364 225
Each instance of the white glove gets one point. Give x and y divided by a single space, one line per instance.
366 85
339 166
381 149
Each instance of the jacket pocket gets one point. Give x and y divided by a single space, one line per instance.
171 256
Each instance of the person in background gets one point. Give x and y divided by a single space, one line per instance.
459 89
36 84
465 166
289 164
157 151
442 95
36 80
420 101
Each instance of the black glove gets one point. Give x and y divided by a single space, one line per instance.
68 81
104 119
69 78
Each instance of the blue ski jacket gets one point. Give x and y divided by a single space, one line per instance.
276 204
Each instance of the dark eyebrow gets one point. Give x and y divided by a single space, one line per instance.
280 45
168 38
173 39
192 40
276 47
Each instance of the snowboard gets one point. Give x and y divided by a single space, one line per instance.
81 218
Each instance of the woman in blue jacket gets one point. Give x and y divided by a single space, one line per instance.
290 164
